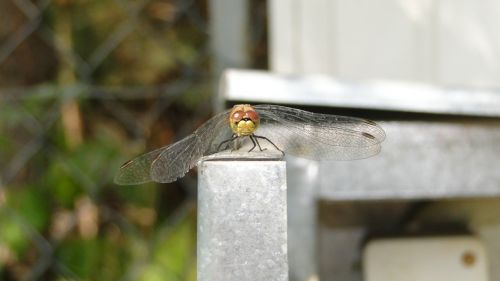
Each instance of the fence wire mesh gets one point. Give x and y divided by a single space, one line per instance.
84 86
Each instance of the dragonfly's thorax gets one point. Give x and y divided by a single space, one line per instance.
243 119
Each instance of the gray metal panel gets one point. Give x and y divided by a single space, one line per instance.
421 160
302 216
242 219
228 27
321 90
229 35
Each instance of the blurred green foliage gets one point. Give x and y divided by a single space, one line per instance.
54 181
62 140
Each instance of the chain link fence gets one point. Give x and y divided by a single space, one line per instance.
84 86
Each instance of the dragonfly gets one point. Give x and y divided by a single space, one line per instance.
291 131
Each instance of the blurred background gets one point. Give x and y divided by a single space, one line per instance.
88 84
84 86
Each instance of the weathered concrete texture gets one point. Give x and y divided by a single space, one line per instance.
242 219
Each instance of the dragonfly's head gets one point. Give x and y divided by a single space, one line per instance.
243 119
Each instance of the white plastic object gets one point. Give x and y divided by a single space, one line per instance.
423 259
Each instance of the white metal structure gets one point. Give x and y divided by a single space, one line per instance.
448 42
439 58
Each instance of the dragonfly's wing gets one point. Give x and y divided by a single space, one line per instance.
175 160
319 136
136 171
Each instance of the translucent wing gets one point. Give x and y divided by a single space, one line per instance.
175 160
319 136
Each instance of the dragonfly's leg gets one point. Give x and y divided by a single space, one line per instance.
252 137
236 144
254 143
261 137
226 141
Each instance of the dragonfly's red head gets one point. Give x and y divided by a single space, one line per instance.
243 119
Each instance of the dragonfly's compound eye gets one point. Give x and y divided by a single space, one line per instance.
254 116
237 116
